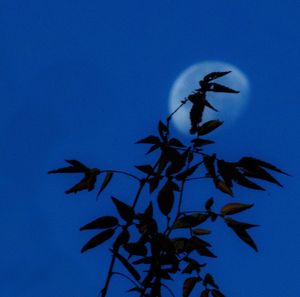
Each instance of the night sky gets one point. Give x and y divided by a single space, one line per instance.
86 79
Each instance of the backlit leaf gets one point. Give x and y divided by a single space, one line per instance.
150 140
200 231
198 142
101 223
124 210
208 127
209 203
214 87
128 266
233 208
190 221
189 285
214 75
98 239
165 200
146 169
106 181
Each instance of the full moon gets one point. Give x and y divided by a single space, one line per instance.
229 106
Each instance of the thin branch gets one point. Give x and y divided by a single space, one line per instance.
122 172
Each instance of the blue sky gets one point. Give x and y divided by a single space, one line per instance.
86 79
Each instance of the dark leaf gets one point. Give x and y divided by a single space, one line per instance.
207 104
205 293
178 161
209 280
124 210
176 142
190 221
98 239
106 181
122 238
150 140
76 167
87 183
214 87
196 113
153 148
186 173
198 142
128 266
146 169
209 126
223 187
200 231
189 285
209 162
153 183
240 230
243 181
162 129
214 75
136 248
165 200
233 208
209 203
101 223
250 160
227 171
217 293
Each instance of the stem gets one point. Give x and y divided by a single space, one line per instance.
125 276
122 172
113 259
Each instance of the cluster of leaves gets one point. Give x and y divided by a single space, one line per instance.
153 254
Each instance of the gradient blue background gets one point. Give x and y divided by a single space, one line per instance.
86 79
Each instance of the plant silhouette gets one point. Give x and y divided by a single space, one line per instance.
152 253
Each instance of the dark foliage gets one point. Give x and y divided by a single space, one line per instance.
154 253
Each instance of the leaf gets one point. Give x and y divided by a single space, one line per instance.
209 162
205 293
122 238
101 223
196 112
190 221
243 181
106 181
153 148
223 187
250 160
136 248
208 127
150 140
233 208
207 104
240 230
209 280
176 142
214 87
178 161
153 183
76 167
146 169
217 293
189 285
98 239
186 173
200 231
128 266
165 200
209 203
162 129
198 142
214 75
124 210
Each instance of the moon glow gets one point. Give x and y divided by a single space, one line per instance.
229 106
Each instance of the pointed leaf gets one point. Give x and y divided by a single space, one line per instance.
150 140
233 208
190 221
186 173
146 169
124 210
98 239
205 293
122 239
128 266
217 293
106 181
209 126
101 223
198 142
209 203
209 280
214 75
165 200
189 285
176 142
214 87
223 187
200 231
162 129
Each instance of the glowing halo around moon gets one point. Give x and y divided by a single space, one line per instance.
229 106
